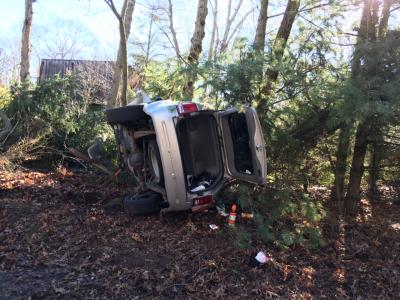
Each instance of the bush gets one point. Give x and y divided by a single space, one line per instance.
164 79
283 218
5 97
240 237
56 110
25 150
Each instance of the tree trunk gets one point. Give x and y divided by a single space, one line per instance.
195 49
172 29
121 64
277 51
357 165
210 54
127 29
26 42
377 154
259 39
365 33
383 23
259 44
362 37
368 29
342 152
377 146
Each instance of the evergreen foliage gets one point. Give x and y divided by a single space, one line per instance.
57 111
283 217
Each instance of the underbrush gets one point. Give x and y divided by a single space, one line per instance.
25 150
282 218
51 115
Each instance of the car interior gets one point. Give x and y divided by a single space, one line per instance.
241 143
200 150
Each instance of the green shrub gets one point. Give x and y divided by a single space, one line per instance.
55 108
240 237
283 218
164 79
5 97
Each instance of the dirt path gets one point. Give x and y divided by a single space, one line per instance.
58 241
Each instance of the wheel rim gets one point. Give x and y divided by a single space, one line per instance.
154 164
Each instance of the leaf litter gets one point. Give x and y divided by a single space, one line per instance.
57 241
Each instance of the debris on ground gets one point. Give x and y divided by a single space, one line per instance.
213 226
261 257
57 240
221 209
258 260
247 216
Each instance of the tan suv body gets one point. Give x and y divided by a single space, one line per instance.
186 153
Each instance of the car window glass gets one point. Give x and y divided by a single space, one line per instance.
241 143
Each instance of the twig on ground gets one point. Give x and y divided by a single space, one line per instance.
86 158
189 282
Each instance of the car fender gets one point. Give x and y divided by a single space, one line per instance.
163 114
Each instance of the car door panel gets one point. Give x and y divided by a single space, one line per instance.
243 145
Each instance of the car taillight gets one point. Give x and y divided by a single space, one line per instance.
187 108
202 200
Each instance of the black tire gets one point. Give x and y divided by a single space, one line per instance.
127 114
143 204
155 162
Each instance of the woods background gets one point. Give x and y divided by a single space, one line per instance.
323 75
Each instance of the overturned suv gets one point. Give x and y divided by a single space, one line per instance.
181 154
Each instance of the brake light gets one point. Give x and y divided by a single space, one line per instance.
186 108
202 200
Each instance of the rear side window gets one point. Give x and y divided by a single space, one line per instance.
241 143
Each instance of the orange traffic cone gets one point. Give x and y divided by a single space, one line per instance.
117 173
232 216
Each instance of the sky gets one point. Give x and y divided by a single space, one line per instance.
99 20
96 19
97 27
94 15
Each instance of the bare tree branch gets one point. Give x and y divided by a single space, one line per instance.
278 48
303 9
394 9
229 20
172 29
214 29
238 26
259 39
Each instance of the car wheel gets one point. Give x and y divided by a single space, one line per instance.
143 204
127 114
154 162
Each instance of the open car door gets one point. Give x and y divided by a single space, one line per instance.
243 145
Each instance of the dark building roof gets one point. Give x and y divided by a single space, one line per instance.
96 76
49 68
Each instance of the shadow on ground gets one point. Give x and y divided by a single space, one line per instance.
57 241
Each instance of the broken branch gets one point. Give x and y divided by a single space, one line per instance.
87 159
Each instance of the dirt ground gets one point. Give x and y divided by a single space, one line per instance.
57 241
